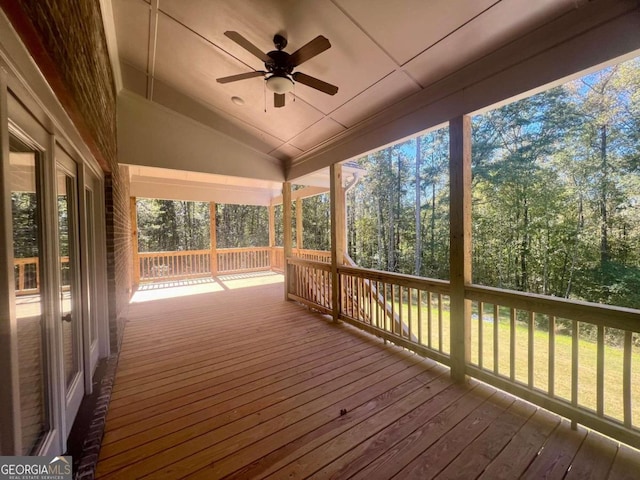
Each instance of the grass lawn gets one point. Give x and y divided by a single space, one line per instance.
587 355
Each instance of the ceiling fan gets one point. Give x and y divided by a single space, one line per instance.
279 66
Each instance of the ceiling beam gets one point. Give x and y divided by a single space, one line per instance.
305 192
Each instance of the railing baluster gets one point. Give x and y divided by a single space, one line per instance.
480 338
574 367
429 320
440 322
496 342
512 344
384 311
409 316
419 301
626 378
530 359
552 356
600 372
400 309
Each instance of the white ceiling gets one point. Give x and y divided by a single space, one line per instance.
383 51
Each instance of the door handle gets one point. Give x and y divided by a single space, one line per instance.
66 318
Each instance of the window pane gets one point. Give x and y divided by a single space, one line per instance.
26 251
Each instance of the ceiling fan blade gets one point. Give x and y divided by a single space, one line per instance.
247 45
241 76
313 82
278 100
308 51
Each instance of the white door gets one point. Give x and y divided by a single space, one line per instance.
70 295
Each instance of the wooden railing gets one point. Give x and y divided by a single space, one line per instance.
155 266
574 358
312 255
412 312
249 259
310 283
161 266
27 274
277 263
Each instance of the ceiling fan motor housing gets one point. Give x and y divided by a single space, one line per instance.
279 63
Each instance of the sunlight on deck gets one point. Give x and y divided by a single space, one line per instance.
182 288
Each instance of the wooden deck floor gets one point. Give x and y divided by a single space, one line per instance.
235 382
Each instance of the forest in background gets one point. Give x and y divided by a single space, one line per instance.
556 199
556 195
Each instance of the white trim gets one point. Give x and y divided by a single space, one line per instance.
108 23
9 399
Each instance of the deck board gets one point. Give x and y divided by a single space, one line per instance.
234 382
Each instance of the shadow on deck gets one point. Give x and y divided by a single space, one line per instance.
223 378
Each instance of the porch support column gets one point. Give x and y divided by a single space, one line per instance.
460 243
213 262
272 235
134 241
299 228
286 226
338 234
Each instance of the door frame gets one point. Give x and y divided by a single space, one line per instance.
75 391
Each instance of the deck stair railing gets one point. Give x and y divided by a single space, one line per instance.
357 292
578 359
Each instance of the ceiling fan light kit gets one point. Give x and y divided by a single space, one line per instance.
279 84
280 65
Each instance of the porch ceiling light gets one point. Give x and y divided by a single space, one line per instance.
279 84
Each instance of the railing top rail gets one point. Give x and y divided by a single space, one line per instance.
309 250
18 261
241 249
594 313
410 281
174 253
309 263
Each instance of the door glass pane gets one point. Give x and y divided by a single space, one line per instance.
25 207
66 238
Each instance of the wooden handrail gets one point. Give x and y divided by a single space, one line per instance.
593 313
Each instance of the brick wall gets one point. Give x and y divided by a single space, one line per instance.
66 39
119 248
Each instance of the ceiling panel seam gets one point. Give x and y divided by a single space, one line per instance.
170 17
361 28
457 29
153 41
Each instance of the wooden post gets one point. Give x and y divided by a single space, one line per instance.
286 227
460 243
338 234
213 239
299 229
134 241
272 235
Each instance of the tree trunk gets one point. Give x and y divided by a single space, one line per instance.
391 258
524 248
380 245
604 231
418 248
